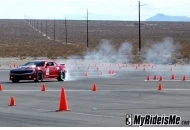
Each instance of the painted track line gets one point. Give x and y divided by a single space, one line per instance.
71 112
85 114
97 115
166 80
125 90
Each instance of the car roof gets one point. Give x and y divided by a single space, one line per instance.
44 60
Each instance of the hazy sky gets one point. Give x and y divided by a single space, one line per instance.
98 9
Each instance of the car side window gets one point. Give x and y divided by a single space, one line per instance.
54 64
50 64
39 64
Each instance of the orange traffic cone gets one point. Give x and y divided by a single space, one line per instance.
43 87
86 74
112 72
100 73
184 78
12 101
161 78
63 106
144 69
173 76
94 88
148 78
155 78
1 87
160 87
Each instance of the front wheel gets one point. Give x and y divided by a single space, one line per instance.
61 76
39 77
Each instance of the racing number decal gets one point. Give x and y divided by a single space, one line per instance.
47 71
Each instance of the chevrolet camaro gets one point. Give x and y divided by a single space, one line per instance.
38 71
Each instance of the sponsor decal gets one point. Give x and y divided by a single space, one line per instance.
47 71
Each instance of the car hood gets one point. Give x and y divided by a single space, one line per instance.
25 67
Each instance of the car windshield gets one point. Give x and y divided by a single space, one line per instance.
37 63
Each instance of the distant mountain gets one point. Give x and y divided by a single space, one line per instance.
163 17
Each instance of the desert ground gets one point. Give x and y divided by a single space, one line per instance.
23 38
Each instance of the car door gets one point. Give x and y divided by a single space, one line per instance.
50 69
56 69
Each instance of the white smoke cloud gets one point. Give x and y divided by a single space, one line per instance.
161 52
163 55
100 60
107 52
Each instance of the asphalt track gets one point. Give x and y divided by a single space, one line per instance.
126 92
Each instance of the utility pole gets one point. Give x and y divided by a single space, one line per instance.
87 30
54 29
37 25
65 30
46 28
41 26
34 23
139 28
139 6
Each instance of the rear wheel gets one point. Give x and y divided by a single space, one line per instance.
39 77
61 76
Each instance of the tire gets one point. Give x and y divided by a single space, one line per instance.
61 76
39 77
15 80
